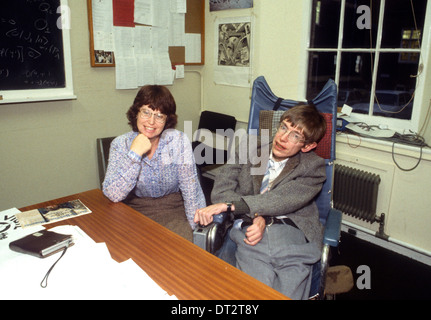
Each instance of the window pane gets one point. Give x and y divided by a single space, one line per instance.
355 37
355 81
399 25
395 86
325 24
321 68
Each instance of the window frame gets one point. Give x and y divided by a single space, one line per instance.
420 101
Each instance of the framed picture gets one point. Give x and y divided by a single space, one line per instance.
233 51
234 44
217 5
103 58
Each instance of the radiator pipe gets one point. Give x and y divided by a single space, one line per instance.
381 233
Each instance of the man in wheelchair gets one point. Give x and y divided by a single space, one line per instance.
277 231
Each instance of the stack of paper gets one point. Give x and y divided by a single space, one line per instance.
86 271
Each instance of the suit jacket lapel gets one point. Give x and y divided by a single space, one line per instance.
257 182
257 179
290 165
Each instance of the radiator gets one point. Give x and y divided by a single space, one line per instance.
355 192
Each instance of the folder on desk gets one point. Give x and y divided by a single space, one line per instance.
42 243
52 213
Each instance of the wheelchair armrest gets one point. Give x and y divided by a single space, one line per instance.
331 236
220 218
210 237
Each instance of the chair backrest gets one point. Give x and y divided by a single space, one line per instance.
103 145
214 121
262 98
269 119
265 112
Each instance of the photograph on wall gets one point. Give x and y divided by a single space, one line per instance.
217 5
233 51
102 57
234 44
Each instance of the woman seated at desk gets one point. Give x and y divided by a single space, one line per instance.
152 167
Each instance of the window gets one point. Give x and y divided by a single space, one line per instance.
373 51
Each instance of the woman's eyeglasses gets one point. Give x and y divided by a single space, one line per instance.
147 114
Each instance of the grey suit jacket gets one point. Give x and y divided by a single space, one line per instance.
292 192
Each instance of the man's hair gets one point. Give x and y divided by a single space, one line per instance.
307 118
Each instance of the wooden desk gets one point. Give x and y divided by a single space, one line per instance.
177 265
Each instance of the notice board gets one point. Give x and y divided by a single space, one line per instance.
194 25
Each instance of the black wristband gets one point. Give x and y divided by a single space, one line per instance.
229 207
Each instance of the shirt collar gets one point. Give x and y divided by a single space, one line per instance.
278 164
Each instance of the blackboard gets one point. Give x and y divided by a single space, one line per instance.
31 45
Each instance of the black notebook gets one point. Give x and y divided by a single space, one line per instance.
42 243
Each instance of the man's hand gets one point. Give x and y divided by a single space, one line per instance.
255 232
205 215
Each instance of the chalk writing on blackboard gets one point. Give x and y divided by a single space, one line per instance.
31 45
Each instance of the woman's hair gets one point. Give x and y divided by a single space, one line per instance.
307 118
158 98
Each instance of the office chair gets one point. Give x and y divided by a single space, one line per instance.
265 112
208 154
214 123
103 145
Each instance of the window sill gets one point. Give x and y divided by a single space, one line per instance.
383 146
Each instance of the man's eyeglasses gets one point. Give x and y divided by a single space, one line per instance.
147 113
293 136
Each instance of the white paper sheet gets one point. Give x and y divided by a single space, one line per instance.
145 69
161 11
178 6
163 73
193 48
176 30
142 40
142 52
103 25
86 271
179 71
144 12
124 42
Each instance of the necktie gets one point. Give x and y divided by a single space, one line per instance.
265 182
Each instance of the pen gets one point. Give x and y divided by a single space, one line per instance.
43 216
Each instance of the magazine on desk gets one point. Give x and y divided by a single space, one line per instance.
54 213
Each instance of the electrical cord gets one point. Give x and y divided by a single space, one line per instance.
404 169
413 139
